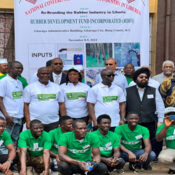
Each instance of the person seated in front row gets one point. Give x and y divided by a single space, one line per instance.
167 131
75 150
109 144
5 141
34 145
65 123
131 135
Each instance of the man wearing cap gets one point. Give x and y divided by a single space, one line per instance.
167 131
119 79
3 67
146 101
43 101
106 98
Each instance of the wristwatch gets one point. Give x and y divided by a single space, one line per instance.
11 161
123 119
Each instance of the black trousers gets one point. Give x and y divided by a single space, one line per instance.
68 169
50 126
152 127
3 158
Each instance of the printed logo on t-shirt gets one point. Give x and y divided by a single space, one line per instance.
138 137
107 99
1 142
108 144
170 137
86 146
130 143
174 132
17 95
35 146
46 97
76 95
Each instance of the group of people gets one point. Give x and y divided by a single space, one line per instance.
127 112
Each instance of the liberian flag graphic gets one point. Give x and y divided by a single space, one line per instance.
32 1
129 1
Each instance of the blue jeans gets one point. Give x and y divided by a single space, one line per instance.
15 130
150 158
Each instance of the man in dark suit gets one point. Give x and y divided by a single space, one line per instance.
57 76
146 101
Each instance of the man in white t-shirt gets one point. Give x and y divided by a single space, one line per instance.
11 100
106 98
43 101
119 79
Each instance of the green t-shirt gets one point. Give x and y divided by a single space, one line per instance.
79 149
132 140
20 78
107 142
55 136
5 139
129 80
170 136
23 81
35 146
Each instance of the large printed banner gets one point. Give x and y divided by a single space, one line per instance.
81 32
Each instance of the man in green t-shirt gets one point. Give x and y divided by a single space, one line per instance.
65 123
129 72
75 150
131 135
109 144
5 141
167 131
34 147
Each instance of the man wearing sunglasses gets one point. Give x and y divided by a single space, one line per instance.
57 76
119 79
106 98
146 101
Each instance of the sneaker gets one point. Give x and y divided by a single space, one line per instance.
119 171
171 171
54 168
148 167
135 168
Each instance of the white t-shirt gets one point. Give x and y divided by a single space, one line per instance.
106 100
43 101
12 92
75 99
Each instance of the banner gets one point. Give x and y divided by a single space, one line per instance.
81 32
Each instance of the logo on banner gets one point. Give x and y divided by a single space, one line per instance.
32 1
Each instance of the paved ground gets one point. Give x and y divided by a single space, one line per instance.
158 169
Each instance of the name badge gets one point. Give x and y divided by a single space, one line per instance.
35 146
138 137
150 96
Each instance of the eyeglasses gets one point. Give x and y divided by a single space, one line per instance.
110 75
58 63
108 64
141 77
